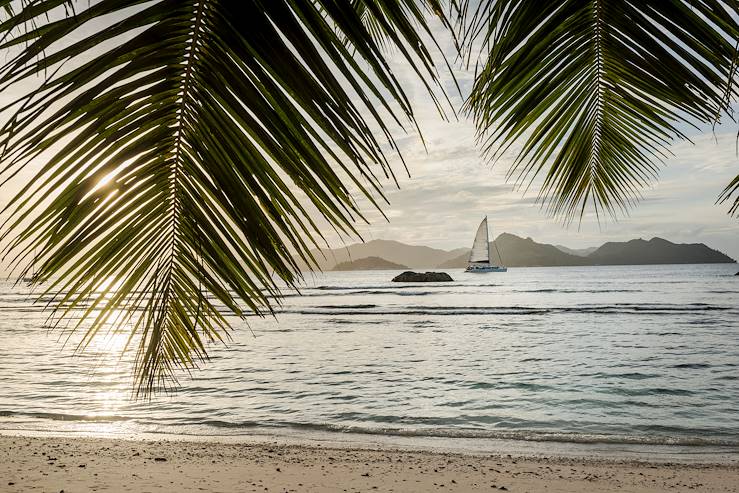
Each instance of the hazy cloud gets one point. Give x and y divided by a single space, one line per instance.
452 187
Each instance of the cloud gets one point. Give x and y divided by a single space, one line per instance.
451 188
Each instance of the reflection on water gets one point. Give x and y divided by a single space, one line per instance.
621 354
111 392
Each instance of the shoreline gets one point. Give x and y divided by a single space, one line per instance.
609 451
55 463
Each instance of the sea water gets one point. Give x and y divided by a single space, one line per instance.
619 355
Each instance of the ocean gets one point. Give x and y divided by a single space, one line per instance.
619 355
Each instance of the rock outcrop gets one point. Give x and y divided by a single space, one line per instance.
410 276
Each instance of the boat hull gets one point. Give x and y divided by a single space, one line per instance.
483 269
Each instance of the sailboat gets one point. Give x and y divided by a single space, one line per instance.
480 256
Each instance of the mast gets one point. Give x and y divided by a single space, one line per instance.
487 237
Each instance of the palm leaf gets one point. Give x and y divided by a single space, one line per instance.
597 90
185 147
732 189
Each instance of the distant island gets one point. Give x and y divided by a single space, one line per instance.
656 251
525 252
580 252
409 256
516 252
369 263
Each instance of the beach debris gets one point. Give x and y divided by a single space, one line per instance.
160 459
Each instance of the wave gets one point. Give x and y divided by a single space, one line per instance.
357 307
366 292
650 434
651 391
676 436
628 376
354 288
617 308
553 290
66 417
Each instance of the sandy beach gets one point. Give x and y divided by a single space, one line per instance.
114 465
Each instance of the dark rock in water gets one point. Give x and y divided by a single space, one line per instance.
737 274
410 276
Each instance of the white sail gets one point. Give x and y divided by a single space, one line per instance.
491 257
480 247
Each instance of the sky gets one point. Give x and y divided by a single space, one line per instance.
451 187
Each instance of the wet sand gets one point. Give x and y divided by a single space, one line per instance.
113 465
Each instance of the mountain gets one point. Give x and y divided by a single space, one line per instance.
455 263
521 252
580 252
415 257
516 252
656 251
369 263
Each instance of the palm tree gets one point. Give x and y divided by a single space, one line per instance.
187 144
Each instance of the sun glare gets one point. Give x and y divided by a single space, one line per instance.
106 179
113 343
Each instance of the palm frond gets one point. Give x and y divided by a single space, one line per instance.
596 90
731 190
184 147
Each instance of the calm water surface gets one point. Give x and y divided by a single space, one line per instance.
646 355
